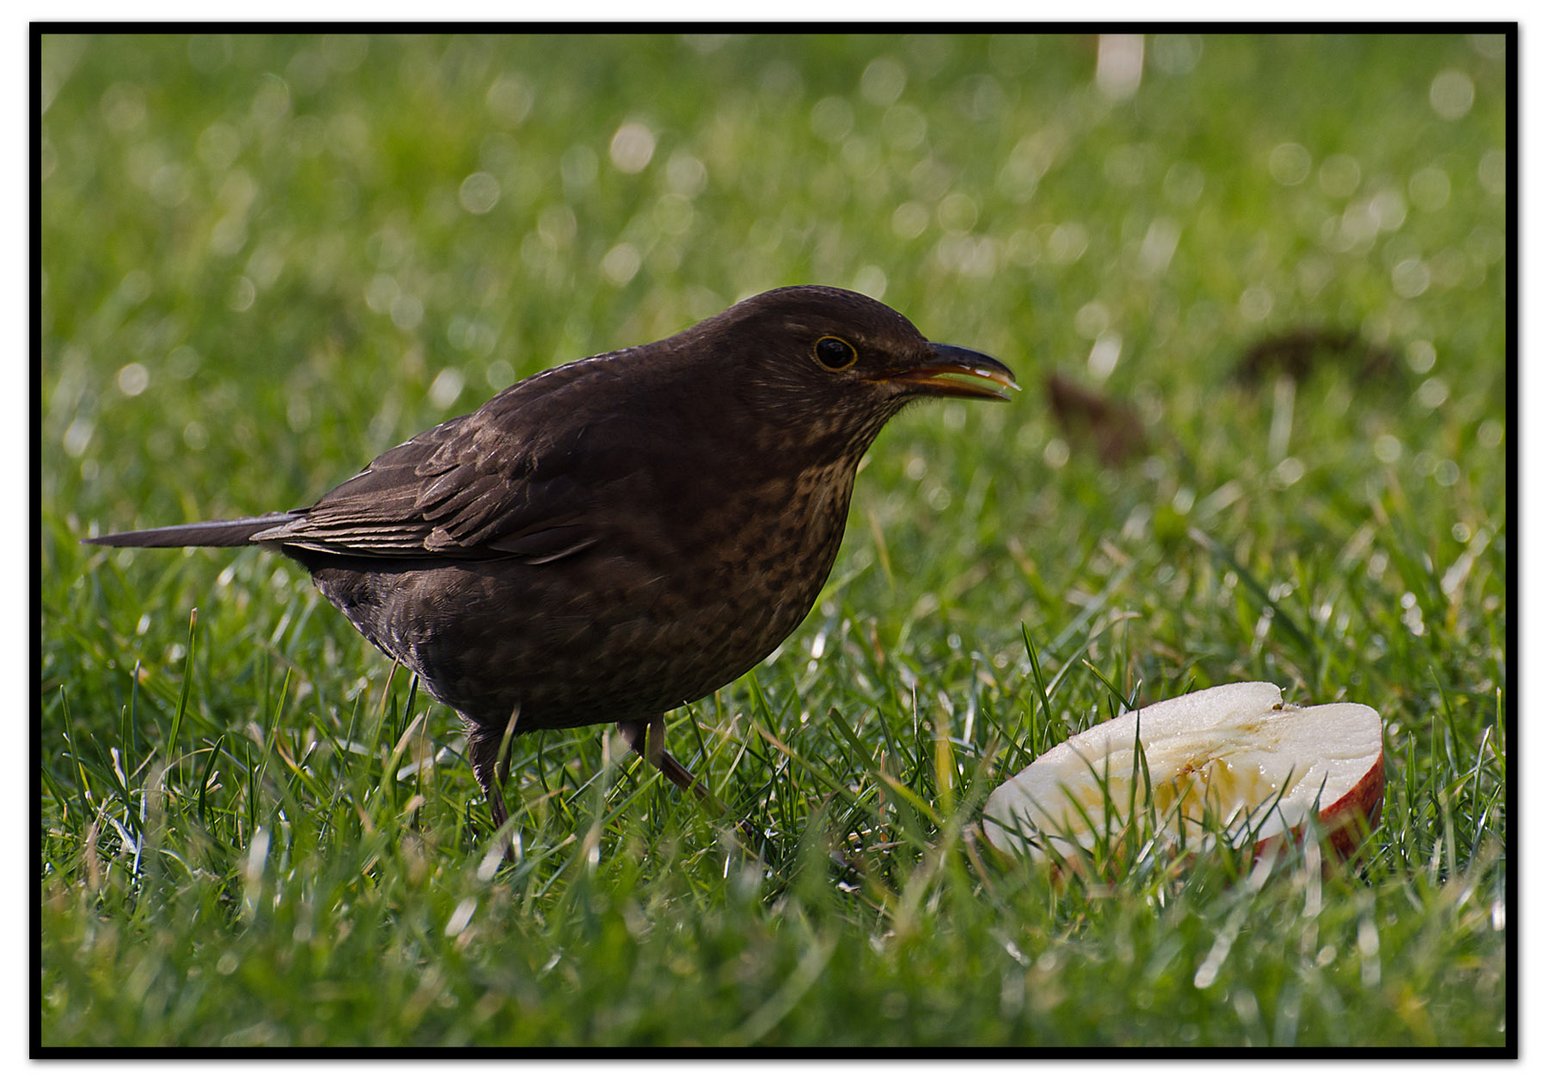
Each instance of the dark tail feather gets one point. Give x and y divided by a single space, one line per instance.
200 534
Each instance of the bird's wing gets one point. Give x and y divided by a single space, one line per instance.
519 477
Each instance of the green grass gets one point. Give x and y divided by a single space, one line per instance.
259 271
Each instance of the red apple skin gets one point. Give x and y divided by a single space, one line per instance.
1342 820
1365 800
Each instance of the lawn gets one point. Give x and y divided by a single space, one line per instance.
1278 266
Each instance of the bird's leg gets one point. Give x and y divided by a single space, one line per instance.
483 750
648 738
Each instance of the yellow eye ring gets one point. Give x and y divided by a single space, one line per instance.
834 354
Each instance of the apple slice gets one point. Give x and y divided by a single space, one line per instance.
1232 761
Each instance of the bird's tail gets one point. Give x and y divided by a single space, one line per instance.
200 534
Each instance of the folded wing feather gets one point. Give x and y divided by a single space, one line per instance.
516 478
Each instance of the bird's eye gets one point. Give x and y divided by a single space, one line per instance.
834 353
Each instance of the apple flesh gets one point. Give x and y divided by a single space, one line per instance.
1233 762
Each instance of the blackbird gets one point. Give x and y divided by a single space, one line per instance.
620 535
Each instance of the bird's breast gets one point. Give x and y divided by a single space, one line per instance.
748 567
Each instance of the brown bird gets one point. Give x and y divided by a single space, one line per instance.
621 535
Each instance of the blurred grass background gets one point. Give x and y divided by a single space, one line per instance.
265 259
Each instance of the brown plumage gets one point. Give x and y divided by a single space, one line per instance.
615 537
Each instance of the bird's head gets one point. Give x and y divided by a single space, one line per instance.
827 367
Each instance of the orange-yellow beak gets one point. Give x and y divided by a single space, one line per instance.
956 372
